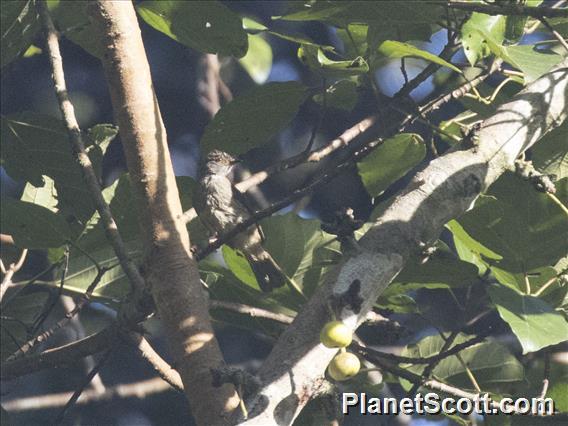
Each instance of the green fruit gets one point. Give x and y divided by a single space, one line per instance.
335 334
343 366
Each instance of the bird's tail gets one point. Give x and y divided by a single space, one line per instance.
267 272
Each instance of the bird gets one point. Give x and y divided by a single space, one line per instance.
220 207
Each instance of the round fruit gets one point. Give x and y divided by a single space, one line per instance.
335 334
343 366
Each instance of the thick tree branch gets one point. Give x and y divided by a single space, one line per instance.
171 270
445 189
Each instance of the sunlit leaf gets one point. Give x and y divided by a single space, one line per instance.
209 27
535 323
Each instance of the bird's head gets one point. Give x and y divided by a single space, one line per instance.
219 163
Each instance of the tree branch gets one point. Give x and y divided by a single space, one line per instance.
172 272
76 138
445 189
56 357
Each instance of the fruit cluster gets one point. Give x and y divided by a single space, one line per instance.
344 365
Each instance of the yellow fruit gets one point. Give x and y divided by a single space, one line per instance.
335 334
343 366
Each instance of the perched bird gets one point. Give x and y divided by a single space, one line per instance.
220 207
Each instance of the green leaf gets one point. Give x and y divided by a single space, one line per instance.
113 286
73 23
469 249
533 63
390 161
354 38
316 59
535 323
258 60
559 394
35 145
224 285
520 224
45 196
292 242
209 27
397 49
300 39
253 118
550 155
515 28
398 303
341 95
491 363
477 31
19 23
33 226
296 245
342 13
442 270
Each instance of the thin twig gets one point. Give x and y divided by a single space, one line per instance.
81 388
66 354
9 273
76 138
370 354
546 376
43 337
430 367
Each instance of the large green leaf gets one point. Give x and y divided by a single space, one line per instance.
477 31
258 60
19 23
292 242
390 161
535 323
533 63
73 23
209 27
491 363
397 49
33 226
518 223
253 118
550 154
35 145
